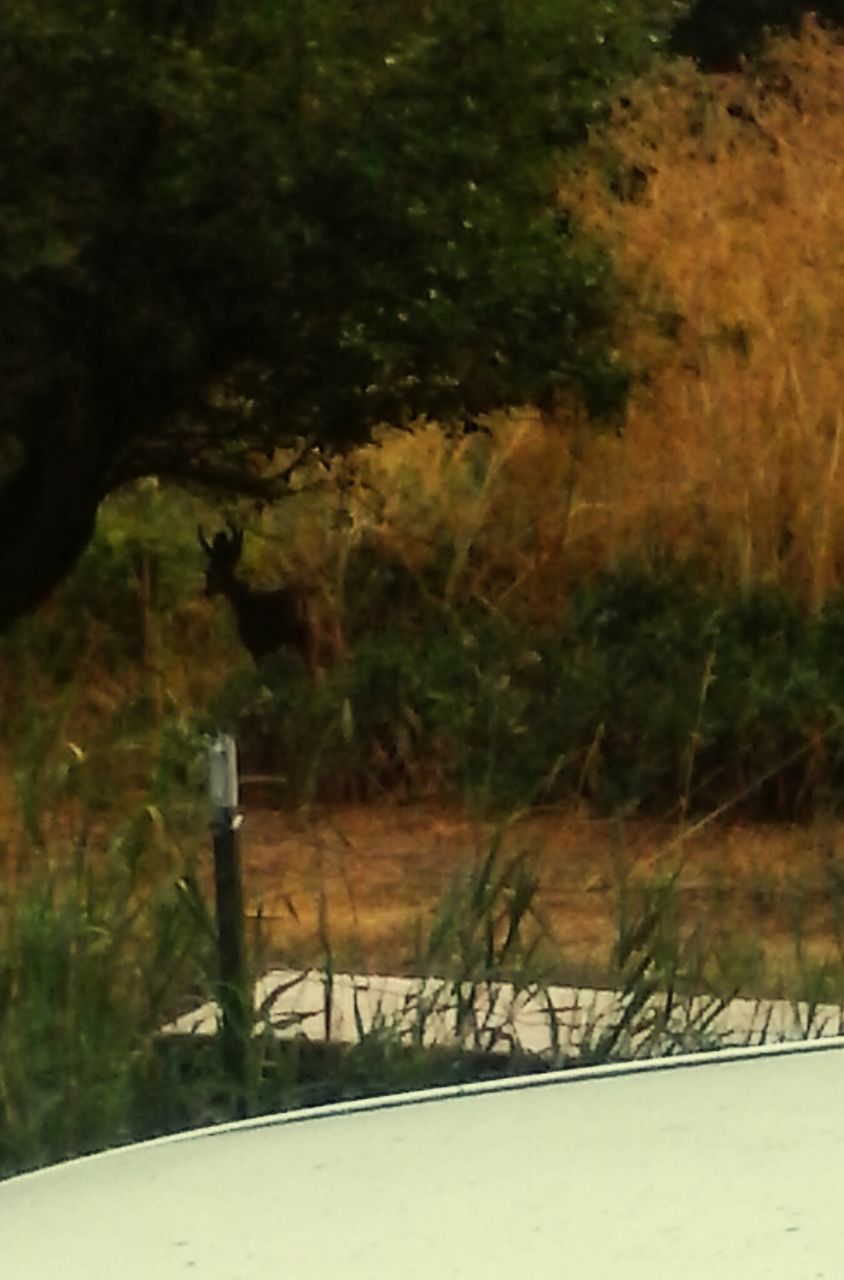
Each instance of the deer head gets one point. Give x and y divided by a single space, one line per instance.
222 555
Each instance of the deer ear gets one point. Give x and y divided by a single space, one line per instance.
203 541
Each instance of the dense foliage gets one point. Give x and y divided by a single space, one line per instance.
655 696
232 228
657 692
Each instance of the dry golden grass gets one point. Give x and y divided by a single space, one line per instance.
764 900
732 452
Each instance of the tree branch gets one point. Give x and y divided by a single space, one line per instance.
48 512
221 477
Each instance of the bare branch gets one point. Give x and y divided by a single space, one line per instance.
243 477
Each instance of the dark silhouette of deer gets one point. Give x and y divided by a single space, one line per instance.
267 621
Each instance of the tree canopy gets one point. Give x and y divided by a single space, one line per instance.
229 227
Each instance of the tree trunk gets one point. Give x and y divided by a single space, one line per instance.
48 511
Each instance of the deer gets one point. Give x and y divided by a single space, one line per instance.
267 621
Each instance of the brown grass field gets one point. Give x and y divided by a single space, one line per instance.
370 880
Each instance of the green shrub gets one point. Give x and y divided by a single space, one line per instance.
656 692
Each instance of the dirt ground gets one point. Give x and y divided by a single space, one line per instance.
368 879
